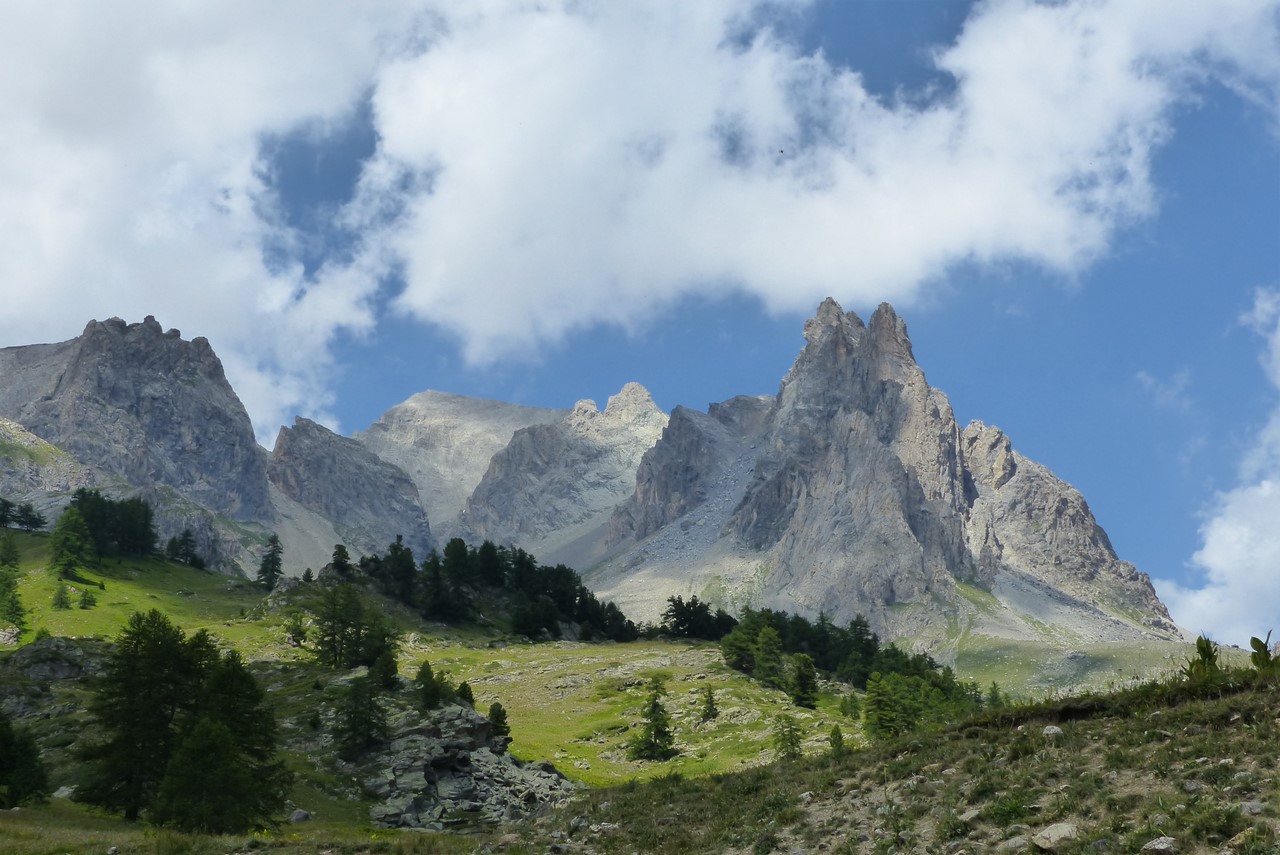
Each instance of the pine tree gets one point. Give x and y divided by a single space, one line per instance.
655 741
786 737
850 706
22 774
385 669
150 676
837 742
206 790
767 655
9 553
498 725
188 733
71 545
432 690
709 708
362 722
272 566
87 599
341 561
465 695
61 597
804 681
12 612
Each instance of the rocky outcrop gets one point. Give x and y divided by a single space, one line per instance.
369 500
854 491
444 769
143 404
1024 520
445 442
553 481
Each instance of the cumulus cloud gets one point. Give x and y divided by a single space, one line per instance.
543 167
571 164
1240 551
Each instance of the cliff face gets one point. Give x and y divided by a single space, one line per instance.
369 500
143 404
444 443
854 491
555 480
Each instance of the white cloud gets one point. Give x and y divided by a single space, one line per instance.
586 163
543 167
1240 542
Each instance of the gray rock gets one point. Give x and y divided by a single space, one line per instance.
300 816
1013 844
557 479
1252 808
370 500
1056 836
1161 844
445 442
1052 732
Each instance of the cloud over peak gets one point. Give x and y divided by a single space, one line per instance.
542 168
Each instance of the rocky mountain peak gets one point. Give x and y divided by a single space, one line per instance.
145 405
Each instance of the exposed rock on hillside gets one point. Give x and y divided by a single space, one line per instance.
554 480
143 404
369 500
855 492
444 768
444 442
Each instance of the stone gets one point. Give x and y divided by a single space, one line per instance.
1013 844
1056 836
64 792
1161 844
300 815
970 816
1252 808
1052 733
371 501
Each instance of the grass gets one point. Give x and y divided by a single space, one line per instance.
1129 765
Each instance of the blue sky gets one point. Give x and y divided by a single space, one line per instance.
1075 206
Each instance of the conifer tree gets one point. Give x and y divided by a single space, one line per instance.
272 566
767 655
432 690
786 737
71 545
12 612
465 695
498 724
709 708
9 553
22 774
362 722
61 597
655 740
837 742
804 681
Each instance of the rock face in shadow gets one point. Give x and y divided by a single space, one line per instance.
854 491
369 500
553 480
143 404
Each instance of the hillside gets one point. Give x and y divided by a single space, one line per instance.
577 704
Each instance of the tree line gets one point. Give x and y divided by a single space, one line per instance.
450 587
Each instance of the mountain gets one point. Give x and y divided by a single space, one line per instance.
145 405
134 410
854 491
556 480
445 442
851 491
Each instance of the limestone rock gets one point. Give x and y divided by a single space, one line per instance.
1055 837
854 491
369 500
445 442
1161 844
441 769
554 481
145 405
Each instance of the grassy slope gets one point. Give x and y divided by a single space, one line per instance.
572 703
